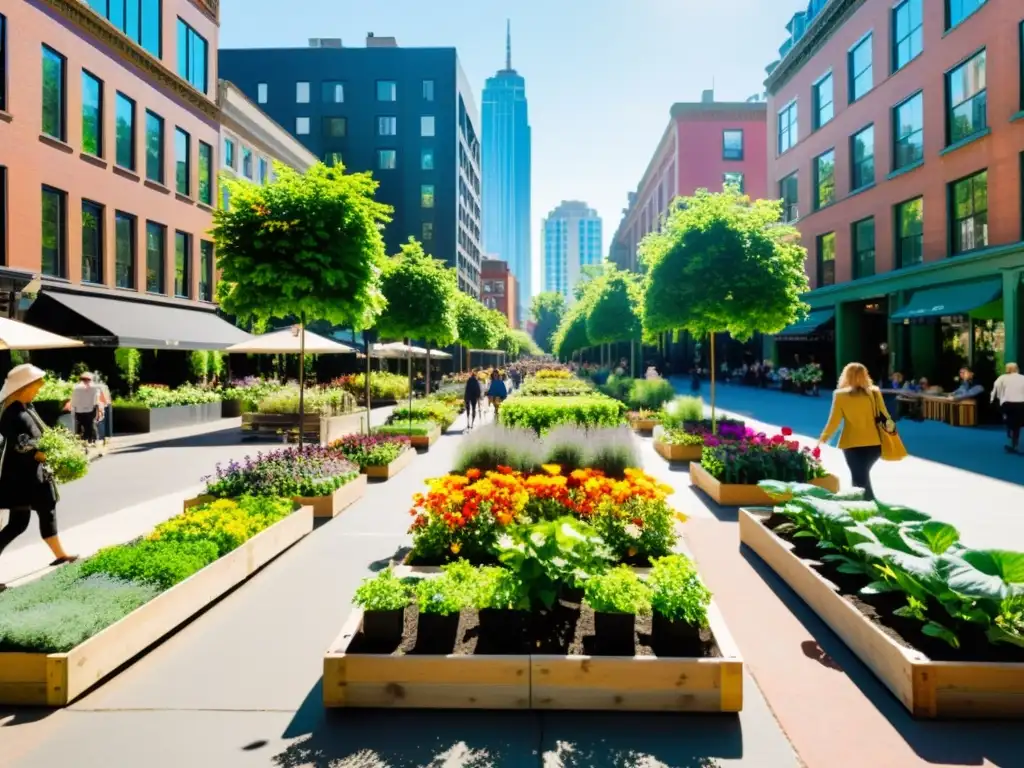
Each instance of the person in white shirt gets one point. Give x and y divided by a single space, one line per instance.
1009 388
85 407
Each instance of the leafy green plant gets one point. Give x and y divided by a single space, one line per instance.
436 412
129 364
651 394
542 413
638 527
415 429
677 593
228 523
680 410
306 472
330 401
677 437
451 592
536 387
371 450
618 387
384 592
383 385
501 589
56 389
66 455
149 396
160 563
619 590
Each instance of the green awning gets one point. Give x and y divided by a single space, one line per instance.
814 320
950 299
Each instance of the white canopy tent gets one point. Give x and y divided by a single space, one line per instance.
22 336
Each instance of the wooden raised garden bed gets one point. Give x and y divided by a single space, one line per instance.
142 420
730 495
425 441
57 679
322 506
928 689
387 471
678 452
644 426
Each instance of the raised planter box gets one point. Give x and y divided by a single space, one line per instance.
534 681
423 442
387 471
140 420
678 452
645 426
230 409
729 495
928 689
322 506
316 427
57 679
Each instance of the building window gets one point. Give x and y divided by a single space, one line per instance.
154 147
92 242
332 92
387 126
787 127
387 159
825 179
862 153
335 127
261 93
827 259
822 98
3 63
124 128
205 173
790 195
428 231
910 233
124 250
247 162
192 55
387 90
907 33
182 162
734 180
427 159
426 125
908 126
859 63
92 114
427 196
966 99
182 265
54 94
332 158
958 10
302 93
969 219
301 126
264 170
428 90
229 153
156 262
732 145
55 240
205 270
864 248
139 20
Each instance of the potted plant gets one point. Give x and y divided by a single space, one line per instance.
440 601
617 597
67 455
503 606
383 599
679 601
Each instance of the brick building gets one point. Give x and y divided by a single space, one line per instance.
499 289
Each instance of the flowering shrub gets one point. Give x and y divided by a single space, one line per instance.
677 437
413 429
250 391
757 457
66 456
553 374
153 396
542 413
311 471
383 386
371 450
807 375
227 523
326 400
425 410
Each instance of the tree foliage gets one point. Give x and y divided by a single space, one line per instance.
478 326
421 297
616 310
572 336
303 244
516 343
547 310
723 263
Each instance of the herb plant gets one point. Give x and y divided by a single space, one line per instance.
371 450
677 593
501 589
160 563
542 413
384 592
619 590
290 472
416 429
66 455
448 593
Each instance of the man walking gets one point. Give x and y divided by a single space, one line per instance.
1009 388
85 407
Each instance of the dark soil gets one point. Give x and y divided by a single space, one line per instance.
567 629
974 646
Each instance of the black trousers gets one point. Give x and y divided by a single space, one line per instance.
17 524
85 425
1013 415
860 461
471 409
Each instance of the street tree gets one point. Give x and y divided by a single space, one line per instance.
478 326
547 310
571 336
722 263
615 311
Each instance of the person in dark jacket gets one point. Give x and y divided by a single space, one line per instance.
25 481
496 391
472 397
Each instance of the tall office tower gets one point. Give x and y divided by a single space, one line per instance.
506 175
572 241
405 114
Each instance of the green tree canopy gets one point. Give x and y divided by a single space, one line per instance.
572 336
478 326
723 264
516 343
547 310
616 310
421 297
305 244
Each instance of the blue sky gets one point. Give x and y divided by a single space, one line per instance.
600 74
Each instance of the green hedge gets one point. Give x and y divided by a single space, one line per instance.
542 413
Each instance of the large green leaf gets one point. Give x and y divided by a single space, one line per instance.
961 578
938 537
899 514
1009 566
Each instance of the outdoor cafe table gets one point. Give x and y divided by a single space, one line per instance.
957 413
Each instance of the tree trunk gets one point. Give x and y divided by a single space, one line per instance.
427 382
366 388
302 374
714 423
408 357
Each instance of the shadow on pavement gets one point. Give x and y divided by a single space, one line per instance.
12 717
945 742
216 439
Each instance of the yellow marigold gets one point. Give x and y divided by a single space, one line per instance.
552 469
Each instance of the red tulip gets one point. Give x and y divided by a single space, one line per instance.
787 431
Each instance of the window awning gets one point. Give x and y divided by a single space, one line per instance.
103 321
806 327
950 299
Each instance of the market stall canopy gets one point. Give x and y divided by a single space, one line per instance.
110 322
15 335
287 342
952 299
806 327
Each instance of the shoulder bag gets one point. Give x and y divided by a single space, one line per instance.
892 445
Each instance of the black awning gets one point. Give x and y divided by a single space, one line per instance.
104 321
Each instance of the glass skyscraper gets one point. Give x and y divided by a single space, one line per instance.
571 235
506 176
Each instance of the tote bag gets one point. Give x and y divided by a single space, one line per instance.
892 446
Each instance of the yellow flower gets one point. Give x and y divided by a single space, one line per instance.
455 548
552 469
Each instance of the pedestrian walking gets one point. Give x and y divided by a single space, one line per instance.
25 481
857 406
496 391
85 404
1009 390
472 397
695 381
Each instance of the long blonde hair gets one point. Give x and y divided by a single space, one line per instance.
855 377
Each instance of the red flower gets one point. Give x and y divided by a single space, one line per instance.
816 453
778 440
787 431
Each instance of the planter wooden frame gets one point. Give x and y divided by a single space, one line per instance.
323 506
928 689
680 453
57 679
644 426
387 471
638 684
425 441
731 495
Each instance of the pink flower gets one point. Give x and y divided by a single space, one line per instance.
778 440
787 431
816 453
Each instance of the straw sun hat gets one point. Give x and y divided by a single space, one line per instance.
18 377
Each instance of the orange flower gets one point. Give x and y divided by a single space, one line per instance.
473 474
